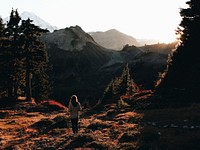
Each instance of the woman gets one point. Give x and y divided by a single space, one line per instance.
74 108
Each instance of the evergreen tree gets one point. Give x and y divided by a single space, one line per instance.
2 27
23 59
36 61
128 87
181 80
108 91
9 55
123 85
2 88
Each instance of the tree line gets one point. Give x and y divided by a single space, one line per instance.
24 62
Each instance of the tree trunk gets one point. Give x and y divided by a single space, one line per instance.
28 80
10 87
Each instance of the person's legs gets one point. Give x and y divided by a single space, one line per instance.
73 121
76 125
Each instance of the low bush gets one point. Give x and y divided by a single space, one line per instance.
130 136
81 140
99 125
100 145
43 124
61 122
127 146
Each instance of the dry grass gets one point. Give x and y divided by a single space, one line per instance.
129 117
107 129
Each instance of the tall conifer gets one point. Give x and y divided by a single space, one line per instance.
181 81
36 61
23 60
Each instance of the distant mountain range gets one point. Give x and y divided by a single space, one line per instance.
113 39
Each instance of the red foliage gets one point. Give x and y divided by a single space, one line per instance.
53 103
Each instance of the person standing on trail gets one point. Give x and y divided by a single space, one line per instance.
74 108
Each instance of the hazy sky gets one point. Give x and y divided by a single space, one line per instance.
149 19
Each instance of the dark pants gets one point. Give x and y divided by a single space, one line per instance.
74 125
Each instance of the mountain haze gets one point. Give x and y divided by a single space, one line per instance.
113 39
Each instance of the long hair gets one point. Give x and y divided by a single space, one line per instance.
74 100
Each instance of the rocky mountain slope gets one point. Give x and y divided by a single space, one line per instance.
69 39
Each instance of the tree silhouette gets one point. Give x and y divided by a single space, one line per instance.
2 87
23 58
36 59
9 55
2 27
123 85
181 80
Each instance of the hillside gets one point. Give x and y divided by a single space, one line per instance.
78 61
35 126
161 48
113 39
69 39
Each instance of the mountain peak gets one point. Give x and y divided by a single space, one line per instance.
37 21
28 13
113 39
112 30
69 39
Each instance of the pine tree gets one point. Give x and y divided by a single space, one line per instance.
2 27
2 88
9 53
123 85
128 86
181 81
23 59
36 61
